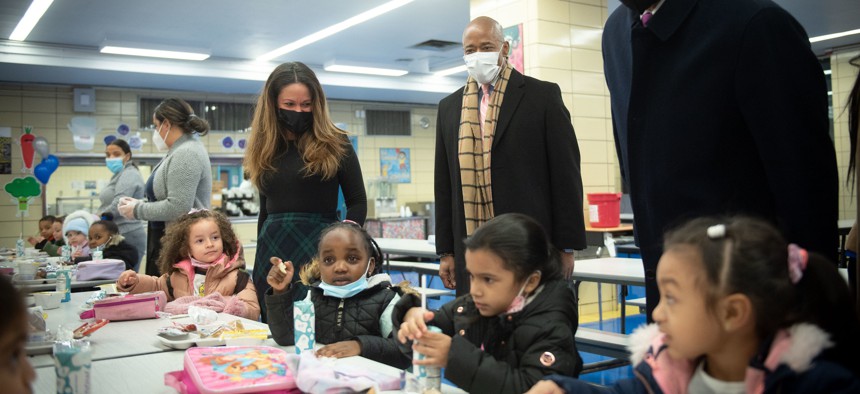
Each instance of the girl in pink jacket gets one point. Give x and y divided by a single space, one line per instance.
201 264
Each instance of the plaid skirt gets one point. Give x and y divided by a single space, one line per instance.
290 236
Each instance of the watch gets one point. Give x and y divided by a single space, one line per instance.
568 251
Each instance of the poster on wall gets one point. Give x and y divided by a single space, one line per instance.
5 150
514 35
394 164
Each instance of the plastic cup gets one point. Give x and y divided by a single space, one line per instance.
73 363
26 270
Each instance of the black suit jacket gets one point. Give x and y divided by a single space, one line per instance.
535 167
720 107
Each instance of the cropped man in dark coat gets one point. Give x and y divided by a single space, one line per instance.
534 162
719 107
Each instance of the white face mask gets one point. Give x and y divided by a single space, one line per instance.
159 142
483 66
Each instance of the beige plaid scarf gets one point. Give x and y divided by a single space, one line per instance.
474 151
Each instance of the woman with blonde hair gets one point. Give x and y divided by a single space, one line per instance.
297 158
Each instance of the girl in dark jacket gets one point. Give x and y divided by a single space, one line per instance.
517 323
740 312
104 235
352 304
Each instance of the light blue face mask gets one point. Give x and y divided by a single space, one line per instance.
347 290
114 164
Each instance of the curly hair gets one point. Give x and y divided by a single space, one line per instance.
174 243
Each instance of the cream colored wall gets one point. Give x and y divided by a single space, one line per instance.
49 109
842 77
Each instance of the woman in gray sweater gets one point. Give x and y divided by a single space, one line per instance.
125 182
182 180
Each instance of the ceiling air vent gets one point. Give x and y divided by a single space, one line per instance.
437 45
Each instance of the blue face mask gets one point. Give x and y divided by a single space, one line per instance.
114 164
348 290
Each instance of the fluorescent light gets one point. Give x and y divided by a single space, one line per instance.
365 70
448 71
834 35
30 18
333 29
828 72
117 50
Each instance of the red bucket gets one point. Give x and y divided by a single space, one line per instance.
604 209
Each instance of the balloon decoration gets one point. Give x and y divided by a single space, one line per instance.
46 168
22 191
27 148
40 145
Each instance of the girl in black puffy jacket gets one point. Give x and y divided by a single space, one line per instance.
352 303
517 323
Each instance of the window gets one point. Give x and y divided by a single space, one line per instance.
222 116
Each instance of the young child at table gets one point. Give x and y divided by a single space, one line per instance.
52 248
352 302
16 373
517 323
740 312
201 263
104 235
46 234
76 230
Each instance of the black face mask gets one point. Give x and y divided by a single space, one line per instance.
297 122
638 5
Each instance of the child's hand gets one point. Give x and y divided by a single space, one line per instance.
78 252
340 349
434 346
414 326
34 240
280 275
546 387
127 279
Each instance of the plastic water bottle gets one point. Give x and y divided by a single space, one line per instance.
428 379
64 284
66 254
19 247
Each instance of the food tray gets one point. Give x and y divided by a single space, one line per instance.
34 282
35 348
192 339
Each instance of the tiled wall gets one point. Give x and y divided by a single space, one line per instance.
842 80
49 109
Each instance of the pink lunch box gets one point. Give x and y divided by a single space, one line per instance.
128 307
239 369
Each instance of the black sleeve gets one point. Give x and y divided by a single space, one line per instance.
782 95
471 369
562 153
442 188
383 350
41 244
280 314
123 251
443 318
352 184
